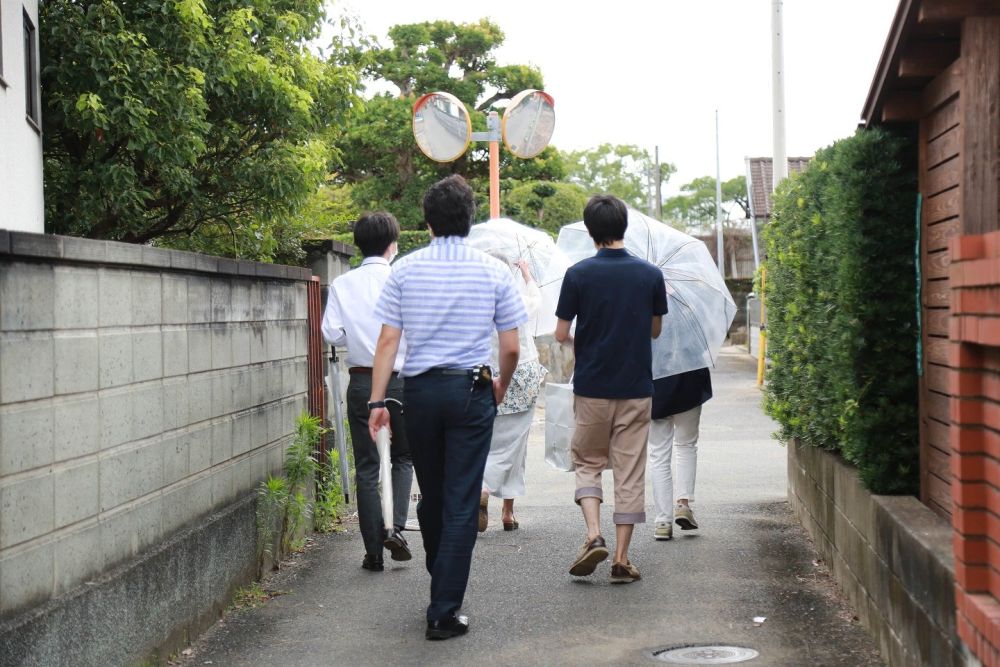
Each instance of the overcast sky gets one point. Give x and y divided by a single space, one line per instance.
653 72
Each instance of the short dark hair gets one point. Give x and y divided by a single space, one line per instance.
375 232
449 206
606 218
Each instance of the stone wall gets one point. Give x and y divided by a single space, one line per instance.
556 357
141 390
890 555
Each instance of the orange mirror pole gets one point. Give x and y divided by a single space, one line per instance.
494 125
494 179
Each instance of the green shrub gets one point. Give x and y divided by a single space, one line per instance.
413 240
285 504
840 295
330 503
545 205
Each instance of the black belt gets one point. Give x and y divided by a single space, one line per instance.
448 371
364 370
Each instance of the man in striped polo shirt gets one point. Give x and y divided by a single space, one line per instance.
448 298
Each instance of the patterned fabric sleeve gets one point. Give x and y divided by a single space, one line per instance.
509 313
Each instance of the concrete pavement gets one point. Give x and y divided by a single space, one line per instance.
750 558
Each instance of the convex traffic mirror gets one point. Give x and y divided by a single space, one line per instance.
528 123
441 126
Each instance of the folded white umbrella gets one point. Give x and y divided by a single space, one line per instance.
699 305
546 261
382 440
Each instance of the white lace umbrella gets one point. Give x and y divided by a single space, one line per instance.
548 264
699 306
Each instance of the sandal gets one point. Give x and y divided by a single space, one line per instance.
511 525
484 514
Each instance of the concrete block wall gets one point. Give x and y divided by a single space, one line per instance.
140 391
891 555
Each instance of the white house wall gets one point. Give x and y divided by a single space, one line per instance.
21 204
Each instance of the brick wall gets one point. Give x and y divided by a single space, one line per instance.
140 390
975 439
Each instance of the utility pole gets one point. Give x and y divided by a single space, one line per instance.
650 192
659 187
779 164
718 203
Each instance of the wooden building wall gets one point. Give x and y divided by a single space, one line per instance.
940 183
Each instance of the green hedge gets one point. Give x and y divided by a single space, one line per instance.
409 240
841 320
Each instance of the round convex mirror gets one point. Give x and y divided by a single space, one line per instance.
528 123
441 126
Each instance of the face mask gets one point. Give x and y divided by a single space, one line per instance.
395 252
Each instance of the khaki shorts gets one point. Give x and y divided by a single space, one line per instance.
615 430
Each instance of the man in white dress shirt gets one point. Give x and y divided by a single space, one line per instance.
350 320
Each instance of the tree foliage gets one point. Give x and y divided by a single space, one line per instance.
546 205
694 207
382 163
620 170
165 119
840 301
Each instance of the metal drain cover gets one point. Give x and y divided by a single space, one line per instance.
703 655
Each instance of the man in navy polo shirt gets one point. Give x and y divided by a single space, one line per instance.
618 301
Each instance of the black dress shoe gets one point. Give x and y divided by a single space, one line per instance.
396 544
373 563
446 628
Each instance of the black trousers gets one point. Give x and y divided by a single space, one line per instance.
449 426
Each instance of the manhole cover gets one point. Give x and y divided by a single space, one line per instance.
704 655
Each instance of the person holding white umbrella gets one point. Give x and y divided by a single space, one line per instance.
350 320
504 474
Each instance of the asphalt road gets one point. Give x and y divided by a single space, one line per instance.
749 559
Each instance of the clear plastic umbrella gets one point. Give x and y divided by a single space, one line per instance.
699 305
548 264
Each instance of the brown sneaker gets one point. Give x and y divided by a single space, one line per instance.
684 517
624 573
484 513
592 553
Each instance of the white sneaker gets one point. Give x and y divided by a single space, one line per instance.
663 531
684 517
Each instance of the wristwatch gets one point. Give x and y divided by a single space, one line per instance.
375 404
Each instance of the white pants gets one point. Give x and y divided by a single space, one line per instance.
681 430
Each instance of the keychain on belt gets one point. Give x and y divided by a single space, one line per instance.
482 377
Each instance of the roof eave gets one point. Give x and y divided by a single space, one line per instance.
902 23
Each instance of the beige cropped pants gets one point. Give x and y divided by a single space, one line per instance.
612 430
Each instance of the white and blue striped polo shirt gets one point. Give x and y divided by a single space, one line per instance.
449 298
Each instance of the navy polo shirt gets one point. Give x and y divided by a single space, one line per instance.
614 297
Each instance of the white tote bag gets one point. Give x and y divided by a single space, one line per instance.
559 425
